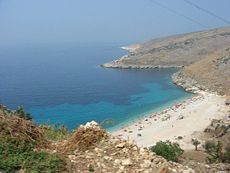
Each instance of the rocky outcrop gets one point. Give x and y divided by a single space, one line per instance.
113 155
208 168
187 83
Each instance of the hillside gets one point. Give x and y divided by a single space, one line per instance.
212 73
26 147
174 51
205 56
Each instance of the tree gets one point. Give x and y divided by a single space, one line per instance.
168 150
195 142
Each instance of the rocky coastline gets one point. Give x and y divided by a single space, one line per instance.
187 83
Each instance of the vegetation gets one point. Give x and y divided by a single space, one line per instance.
23 145
54 133
15 155
168 150
91 168
210 146
216 152
195 142
23 114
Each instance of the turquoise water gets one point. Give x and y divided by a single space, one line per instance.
66 85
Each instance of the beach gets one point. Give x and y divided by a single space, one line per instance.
180 123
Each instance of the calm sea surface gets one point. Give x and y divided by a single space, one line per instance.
66 85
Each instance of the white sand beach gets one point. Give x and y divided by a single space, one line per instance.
186 119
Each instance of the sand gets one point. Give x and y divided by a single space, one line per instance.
187 119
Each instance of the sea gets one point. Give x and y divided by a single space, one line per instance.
65 85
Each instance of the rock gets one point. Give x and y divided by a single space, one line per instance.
173 170
142 150
121 145
146 164
125 150
107 158
117 161
72 157
97 150
188 171
126 162
135 148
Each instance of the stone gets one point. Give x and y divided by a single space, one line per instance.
98 150
117 161
120 145
126 162
146 164
72 157
125 150
121 167
188 171
107 158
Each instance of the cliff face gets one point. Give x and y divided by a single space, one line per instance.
174 51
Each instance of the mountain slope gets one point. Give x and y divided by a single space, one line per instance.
174 51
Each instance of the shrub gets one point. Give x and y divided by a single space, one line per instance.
227 154
91 168
168 150
210 146
23 114
15 156
215 150
54 133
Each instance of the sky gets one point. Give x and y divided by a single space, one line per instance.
102 21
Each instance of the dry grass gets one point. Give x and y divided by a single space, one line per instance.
21 130
84 138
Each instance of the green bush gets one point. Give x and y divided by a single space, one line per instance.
216 153
210 146
23 114
168 150
15 156
227 155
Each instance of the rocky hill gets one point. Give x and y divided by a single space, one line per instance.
205 56
174 51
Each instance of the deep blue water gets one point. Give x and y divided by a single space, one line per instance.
66 85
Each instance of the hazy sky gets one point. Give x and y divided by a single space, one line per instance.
127 21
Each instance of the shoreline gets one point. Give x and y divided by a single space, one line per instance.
186 119
150 112
179 123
